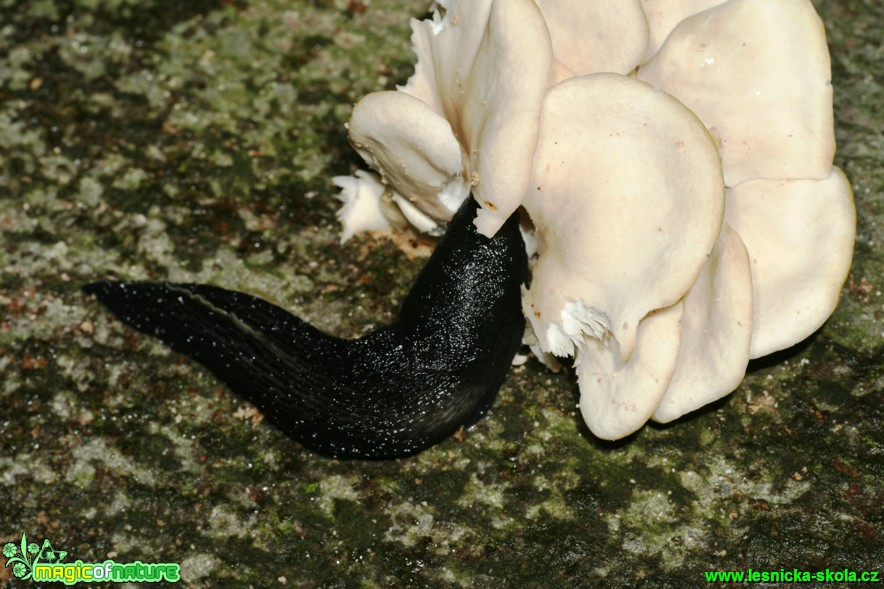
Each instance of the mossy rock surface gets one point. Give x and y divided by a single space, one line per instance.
195 141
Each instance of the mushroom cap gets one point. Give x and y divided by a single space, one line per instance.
486 72
758 73
618 396
618 164
413 149
799 235
715 331
445 49
598 36
664 15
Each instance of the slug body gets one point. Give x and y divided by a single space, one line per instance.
390 393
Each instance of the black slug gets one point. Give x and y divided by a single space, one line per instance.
390 393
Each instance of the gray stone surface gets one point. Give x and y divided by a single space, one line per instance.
145 139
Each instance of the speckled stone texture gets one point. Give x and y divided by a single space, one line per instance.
195 141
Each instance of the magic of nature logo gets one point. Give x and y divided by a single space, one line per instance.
44 563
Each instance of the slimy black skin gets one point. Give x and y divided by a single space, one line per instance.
390 393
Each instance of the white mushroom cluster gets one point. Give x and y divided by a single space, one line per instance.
675 160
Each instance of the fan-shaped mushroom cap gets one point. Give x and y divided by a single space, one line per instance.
757 72
598 36
715 331
799 235
414 150
485 69
627 202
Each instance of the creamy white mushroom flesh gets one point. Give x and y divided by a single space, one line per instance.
615 247
716 331
483 70
799 235
598 36
414 151
362 209
664 15
758 74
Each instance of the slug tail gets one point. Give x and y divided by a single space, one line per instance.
268 356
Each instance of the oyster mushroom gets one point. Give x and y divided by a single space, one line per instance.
758 74
616 251
598 36
414 150
799 234
716 330
476 93
607 289
664 15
